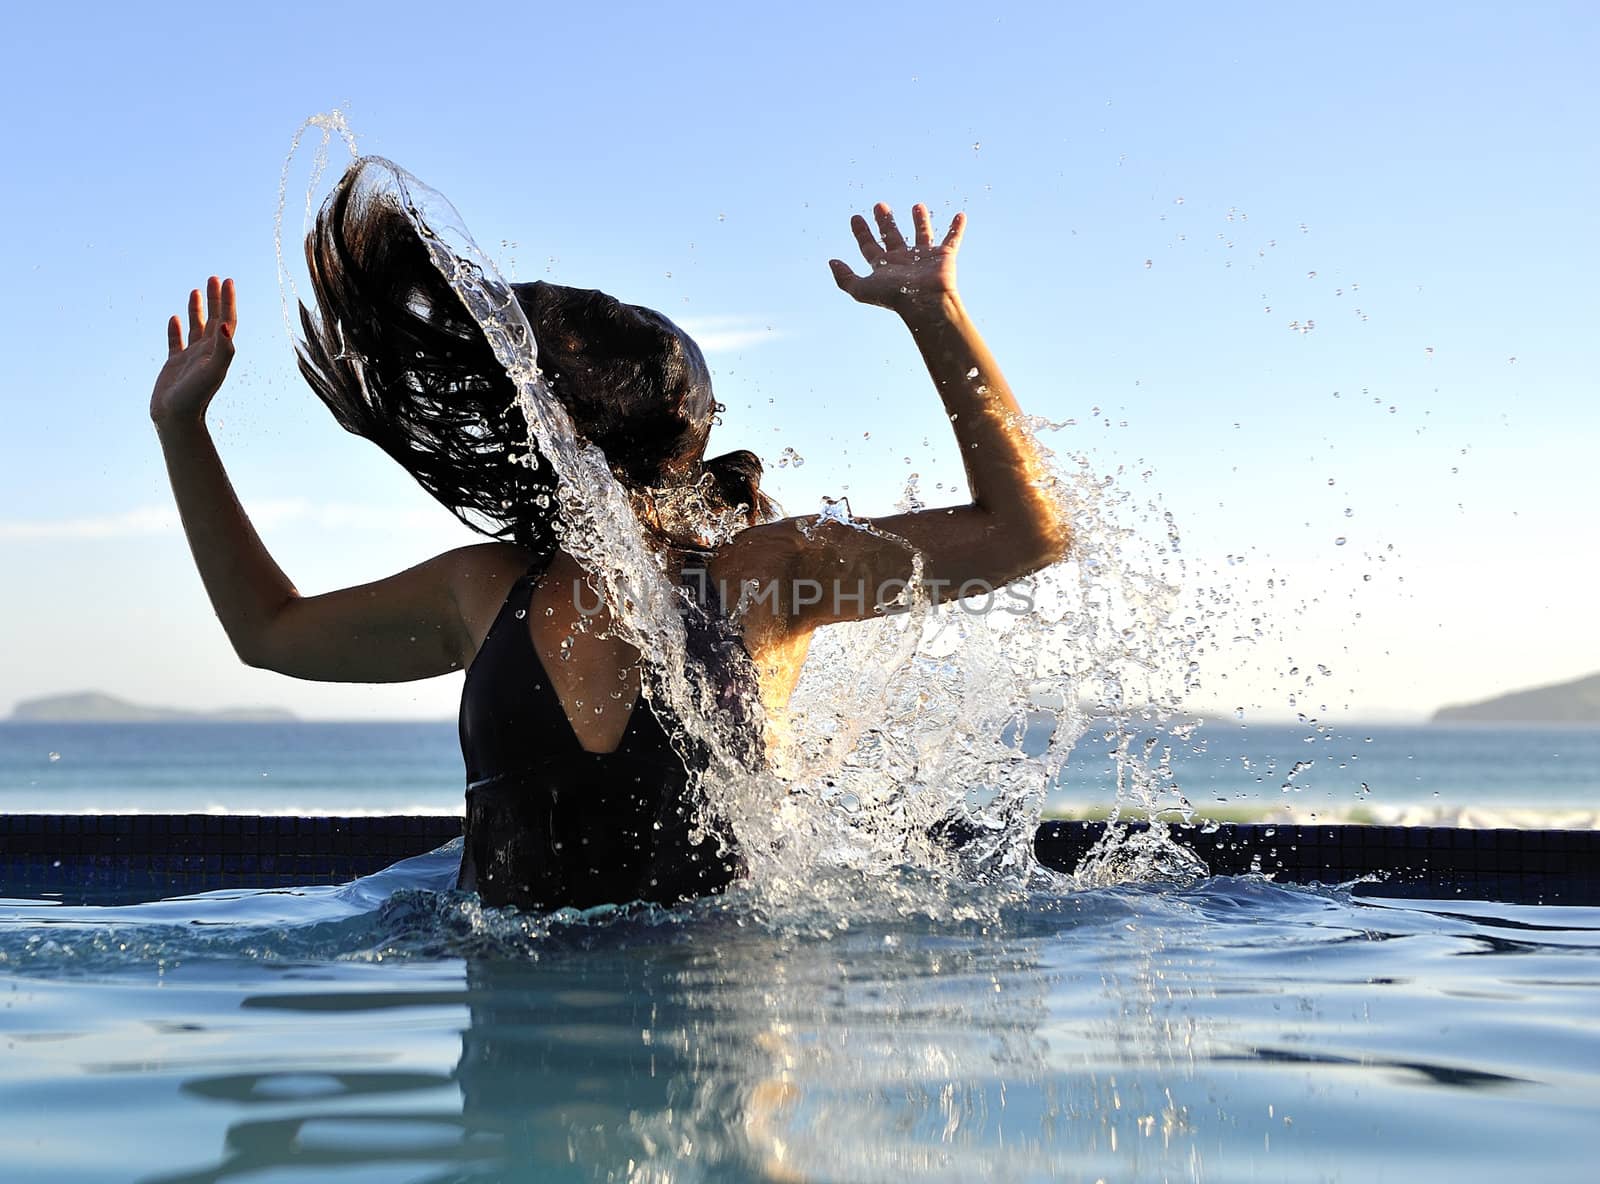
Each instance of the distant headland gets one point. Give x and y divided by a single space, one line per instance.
96 707
1576 702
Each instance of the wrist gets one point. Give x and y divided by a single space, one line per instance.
178 423
939 308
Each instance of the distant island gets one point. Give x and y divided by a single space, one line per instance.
96 707
1576 702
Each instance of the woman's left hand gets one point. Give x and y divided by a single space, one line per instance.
905 277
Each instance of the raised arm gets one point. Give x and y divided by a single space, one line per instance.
1014 524
405 627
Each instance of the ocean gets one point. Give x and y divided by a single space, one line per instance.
1466 775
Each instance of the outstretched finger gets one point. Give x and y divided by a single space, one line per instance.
843 276
197 326
230 305
892 238
174 336
213 300
958 227
870 250
923 222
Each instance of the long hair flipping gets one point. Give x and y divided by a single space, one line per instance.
398 360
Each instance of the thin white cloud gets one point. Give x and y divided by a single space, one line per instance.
128 524
155 520
721 334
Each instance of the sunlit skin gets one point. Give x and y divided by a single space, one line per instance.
431 619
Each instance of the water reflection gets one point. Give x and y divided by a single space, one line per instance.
312 1146
865 1054
1132 1033
696 1052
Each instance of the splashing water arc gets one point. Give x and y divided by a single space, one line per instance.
900 724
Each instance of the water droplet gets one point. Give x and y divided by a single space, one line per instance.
973 373
1148 264
976 145
1339 542
1288 783
521 613
790 459
55 756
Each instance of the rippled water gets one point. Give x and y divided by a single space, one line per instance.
391 1030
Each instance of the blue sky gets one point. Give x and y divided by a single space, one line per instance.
1145 182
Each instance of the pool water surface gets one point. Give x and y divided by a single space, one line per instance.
391 1030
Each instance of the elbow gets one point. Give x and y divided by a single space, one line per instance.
1047 538
1061 538
1050 528
1026 551
1037 530
252 651
257 642
1018 547
1050 544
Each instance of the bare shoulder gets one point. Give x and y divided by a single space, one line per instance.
491 562
480 575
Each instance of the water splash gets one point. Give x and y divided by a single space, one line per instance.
331 126
926 738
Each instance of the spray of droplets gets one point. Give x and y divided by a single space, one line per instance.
926 739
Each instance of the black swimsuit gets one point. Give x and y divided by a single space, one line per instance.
551 824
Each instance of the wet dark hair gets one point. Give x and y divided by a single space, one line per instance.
398 360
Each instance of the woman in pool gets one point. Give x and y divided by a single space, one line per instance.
569 804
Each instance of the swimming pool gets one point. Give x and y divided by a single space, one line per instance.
390 1030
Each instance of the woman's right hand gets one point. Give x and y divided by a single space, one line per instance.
194 373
